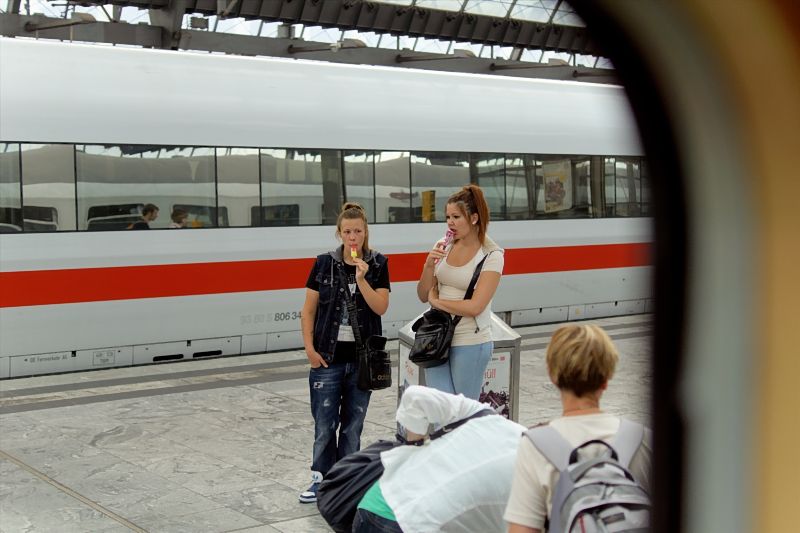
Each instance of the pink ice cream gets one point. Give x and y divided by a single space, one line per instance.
447 240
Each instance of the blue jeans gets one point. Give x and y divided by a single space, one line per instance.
368 522
336 400
463 372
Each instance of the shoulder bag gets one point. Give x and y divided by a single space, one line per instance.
433 331
374 363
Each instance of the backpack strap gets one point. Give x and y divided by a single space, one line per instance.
627 440
552 445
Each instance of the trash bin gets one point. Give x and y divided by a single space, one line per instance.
501 379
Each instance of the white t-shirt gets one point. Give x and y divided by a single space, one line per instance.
535 477
453 285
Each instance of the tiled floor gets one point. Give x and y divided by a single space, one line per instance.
213 446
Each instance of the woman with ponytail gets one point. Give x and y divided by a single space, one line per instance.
445 278
336 400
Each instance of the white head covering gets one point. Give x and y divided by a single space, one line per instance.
421 406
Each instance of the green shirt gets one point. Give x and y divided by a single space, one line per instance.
374 502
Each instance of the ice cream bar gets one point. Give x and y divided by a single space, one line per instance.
447 240
354 251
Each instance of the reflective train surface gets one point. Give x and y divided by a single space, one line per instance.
261 153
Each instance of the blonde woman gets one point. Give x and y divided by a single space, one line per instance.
336 400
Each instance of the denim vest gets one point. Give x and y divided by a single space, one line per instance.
326 323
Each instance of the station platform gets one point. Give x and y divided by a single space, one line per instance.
218 445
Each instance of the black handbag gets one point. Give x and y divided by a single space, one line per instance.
346 483
433 331
374 363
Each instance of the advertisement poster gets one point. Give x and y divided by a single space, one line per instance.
408 372
496 390
557 185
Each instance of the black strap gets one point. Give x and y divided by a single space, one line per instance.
471 287
475 276
444 430
352 310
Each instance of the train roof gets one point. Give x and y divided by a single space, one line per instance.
58 92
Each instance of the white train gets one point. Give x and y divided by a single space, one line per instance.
261 152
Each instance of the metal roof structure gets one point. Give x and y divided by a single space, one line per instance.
524 38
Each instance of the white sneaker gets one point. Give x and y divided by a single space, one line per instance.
310 494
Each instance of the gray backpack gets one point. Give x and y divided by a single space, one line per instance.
599 493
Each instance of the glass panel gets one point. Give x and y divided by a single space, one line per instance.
392 187
434 177
491 8
567 16
321 34
520 183
115 183
646 200
627 187
301 187
359 180
609 179
444 5
534 10
48 187
10 201
564 187
238 187
581 172
433 46
596 187
488 172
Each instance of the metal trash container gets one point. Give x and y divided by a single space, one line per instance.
501 379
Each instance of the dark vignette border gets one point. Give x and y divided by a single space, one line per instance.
668 184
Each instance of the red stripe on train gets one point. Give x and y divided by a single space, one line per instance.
48 287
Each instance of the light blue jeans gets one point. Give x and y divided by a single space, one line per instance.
463 372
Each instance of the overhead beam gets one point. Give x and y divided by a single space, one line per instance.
153 37
170 19
412 21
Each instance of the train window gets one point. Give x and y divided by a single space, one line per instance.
596 190
112 178
392 187
489 172
646 201
200 216
627 187
434 177
113 216
520 186
610 196
238 187
563 186
359 180
301 186
10 194
48 187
